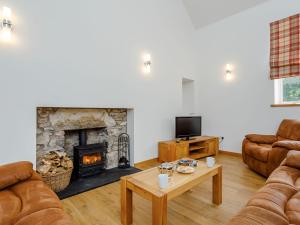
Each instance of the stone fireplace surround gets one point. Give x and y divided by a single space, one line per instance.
56 130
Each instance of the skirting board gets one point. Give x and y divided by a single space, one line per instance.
149 161
236 154
155 160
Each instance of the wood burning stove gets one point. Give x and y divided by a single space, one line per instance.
88 159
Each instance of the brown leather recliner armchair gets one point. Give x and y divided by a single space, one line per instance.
264 153
26 200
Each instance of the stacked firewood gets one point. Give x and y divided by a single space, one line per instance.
55 162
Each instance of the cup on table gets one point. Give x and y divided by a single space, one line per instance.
210 162
163 180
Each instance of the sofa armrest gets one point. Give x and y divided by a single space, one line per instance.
291 145
36 176
13 173
262 139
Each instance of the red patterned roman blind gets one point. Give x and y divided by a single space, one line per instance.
285 48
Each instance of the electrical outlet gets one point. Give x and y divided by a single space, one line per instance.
221 139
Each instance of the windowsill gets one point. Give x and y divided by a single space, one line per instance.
286 105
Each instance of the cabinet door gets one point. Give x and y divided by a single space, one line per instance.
182 150
213 146
167 152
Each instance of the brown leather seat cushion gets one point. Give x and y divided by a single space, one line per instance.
258 151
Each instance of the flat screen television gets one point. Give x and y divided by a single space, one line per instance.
189 126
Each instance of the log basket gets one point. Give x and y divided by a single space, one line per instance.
59 181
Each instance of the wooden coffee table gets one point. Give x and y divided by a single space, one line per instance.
145 184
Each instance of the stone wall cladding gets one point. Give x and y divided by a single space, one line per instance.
56 129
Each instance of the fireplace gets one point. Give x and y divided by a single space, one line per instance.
89 159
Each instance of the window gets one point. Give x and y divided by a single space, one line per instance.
285 60
287 90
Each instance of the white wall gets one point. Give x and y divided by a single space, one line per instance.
89 54
233 109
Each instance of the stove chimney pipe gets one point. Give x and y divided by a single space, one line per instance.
82 137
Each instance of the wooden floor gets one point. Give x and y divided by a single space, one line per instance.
101 206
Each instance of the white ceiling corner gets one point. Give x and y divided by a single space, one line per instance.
205 12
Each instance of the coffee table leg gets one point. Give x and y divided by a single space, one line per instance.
217 187
160 210
126 203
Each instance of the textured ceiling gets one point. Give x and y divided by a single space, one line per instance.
205 12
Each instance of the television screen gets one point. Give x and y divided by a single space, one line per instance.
188 126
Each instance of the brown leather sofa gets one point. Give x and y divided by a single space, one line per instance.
278 202
264 153
26 200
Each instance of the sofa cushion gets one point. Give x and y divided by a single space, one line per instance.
262 139
35 196
285 175
288 144
273 197
293 159
258 151
293 209
46 217
252 215
10 206
14 173
289 129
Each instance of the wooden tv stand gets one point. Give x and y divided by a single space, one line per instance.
195 148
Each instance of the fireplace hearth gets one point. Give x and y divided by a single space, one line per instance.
89 159
89 166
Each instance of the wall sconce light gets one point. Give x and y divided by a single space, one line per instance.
147 63
229 75
6 24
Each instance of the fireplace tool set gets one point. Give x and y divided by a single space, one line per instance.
124 151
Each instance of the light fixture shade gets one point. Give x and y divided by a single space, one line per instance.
6 25
229 76
147 63
147 69
229 69
147 57
6 35
6 13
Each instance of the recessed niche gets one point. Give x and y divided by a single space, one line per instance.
188 96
